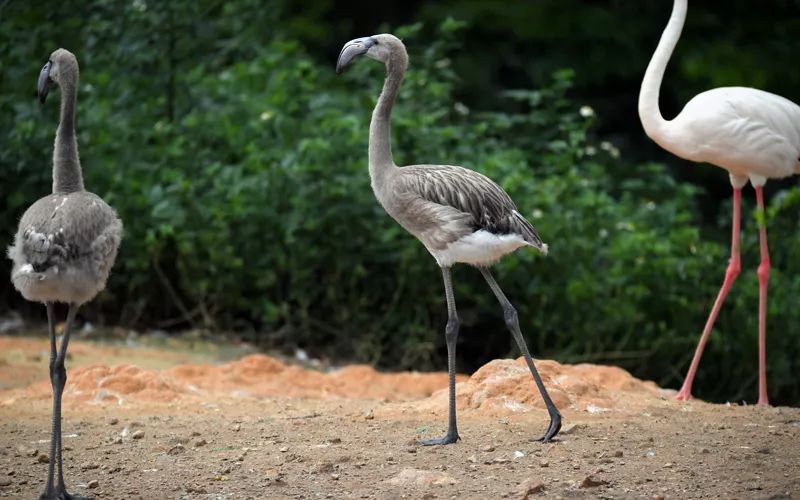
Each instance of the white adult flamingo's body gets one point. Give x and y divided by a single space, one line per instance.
752 134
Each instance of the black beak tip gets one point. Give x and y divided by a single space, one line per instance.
44 83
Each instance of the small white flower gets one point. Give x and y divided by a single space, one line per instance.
461 108
606 146
536 214
586 111
442 63
266 115
651 205
603 233
140 5
590 150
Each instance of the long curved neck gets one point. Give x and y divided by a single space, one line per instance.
380 127
650 114
67 175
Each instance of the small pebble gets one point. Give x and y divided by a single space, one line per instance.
200 442
544 463
283 449
369 415
528 488
94 483
27 451
138 434
518 454
176 450
5 481
113 421
89 466
573 428
43 458
592 482
488 448
618 453
335 477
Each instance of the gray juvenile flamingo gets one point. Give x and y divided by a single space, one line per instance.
65 245
459 215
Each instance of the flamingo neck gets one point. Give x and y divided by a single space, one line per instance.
381 161
653 122
67 175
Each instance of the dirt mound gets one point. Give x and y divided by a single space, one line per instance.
499 387
255 375
505 386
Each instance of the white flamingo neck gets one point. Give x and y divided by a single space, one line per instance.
649 111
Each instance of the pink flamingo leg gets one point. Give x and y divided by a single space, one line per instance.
734 266
763 279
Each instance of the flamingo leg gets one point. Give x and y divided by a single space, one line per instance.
58 379
512 322
763 280
451 336
734 267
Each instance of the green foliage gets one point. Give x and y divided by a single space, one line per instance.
238 163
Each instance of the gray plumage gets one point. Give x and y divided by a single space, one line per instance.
421 191
459 215
67 242
64 248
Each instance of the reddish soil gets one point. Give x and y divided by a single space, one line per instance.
258 427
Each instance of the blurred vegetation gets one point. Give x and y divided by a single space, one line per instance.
237 160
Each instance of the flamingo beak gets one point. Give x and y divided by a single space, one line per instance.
45 83
353 49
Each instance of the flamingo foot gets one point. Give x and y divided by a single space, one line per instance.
685 394
763 400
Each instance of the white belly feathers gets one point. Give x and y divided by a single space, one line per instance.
479 248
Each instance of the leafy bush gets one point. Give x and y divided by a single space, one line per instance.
238 164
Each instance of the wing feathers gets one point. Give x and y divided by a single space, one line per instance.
472 193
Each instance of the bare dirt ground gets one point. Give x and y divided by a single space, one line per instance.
167 423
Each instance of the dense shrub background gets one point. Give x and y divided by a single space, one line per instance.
237 159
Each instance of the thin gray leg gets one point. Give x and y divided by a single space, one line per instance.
451 336
51 325
512 322
58 378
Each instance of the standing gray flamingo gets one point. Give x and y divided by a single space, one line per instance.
459 215
65 245
752 134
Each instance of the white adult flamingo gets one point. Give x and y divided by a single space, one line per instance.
750 133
